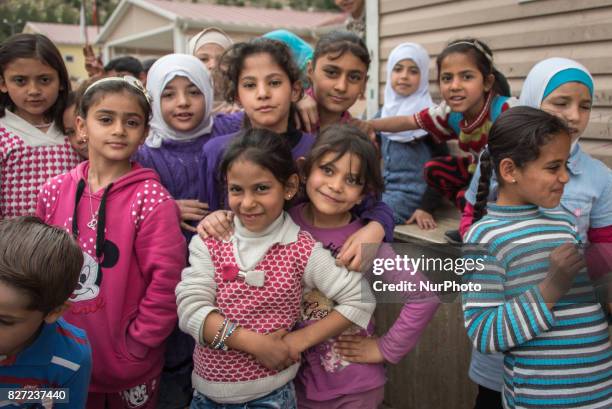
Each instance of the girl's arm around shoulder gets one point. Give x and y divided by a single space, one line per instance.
160 250
348 289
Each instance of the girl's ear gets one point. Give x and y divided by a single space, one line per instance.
488 82
144 135
291 186
310 71
508 171
81 129
3 87
296 91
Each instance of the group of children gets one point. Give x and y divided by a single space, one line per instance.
268 314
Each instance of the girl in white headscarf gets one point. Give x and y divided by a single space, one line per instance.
182 122
208 45
405 153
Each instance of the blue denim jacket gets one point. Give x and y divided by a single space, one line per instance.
587 195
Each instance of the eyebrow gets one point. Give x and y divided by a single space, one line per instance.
108 111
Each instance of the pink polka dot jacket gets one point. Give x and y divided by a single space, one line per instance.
134 253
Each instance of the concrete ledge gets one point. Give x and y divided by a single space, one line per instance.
447 218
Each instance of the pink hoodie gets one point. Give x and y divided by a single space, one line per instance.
126 303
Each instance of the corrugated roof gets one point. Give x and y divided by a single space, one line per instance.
63 33
247 15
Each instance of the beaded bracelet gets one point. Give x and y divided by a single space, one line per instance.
216 338
231 328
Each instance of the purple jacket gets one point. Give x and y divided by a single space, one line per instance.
178 163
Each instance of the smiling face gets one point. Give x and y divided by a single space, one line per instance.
255 195
33 87
334 187
571 102
405 78
182 104
462 85
539 182
337 81
266 93
114 127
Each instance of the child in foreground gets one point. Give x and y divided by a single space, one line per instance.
127 226
538 305
39 269
240 297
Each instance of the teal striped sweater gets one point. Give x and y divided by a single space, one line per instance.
553 359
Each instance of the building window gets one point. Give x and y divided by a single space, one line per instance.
69 58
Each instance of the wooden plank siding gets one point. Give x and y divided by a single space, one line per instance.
519 33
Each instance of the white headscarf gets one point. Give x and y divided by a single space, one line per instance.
207 36
540 75
395 104
161 73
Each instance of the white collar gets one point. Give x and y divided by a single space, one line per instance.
31 135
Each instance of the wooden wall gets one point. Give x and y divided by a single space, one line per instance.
520 33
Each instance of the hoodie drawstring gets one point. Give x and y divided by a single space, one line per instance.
101 227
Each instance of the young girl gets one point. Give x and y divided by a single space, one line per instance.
338 74
69 117
340 170
474 94
182 123
128 228
537 304
405 153
34 87
239 297
263 78
564 88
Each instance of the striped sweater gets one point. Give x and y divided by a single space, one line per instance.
553 358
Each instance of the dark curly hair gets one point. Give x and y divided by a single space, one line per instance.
232 63
41 48
517 134
340 139
482 57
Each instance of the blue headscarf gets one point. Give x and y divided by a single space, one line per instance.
302 51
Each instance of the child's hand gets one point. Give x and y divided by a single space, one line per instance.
359 349
307 115
367 128
191 210
296 345
565 263
351 255
272 352
423 219
218 224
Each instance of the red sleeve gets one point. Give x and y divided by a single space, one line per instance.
599 252
467 218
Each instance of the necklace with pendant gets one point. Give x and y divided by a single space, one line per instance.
93 222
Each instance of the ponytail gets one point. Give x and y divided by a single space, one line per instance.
501 86
483 185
